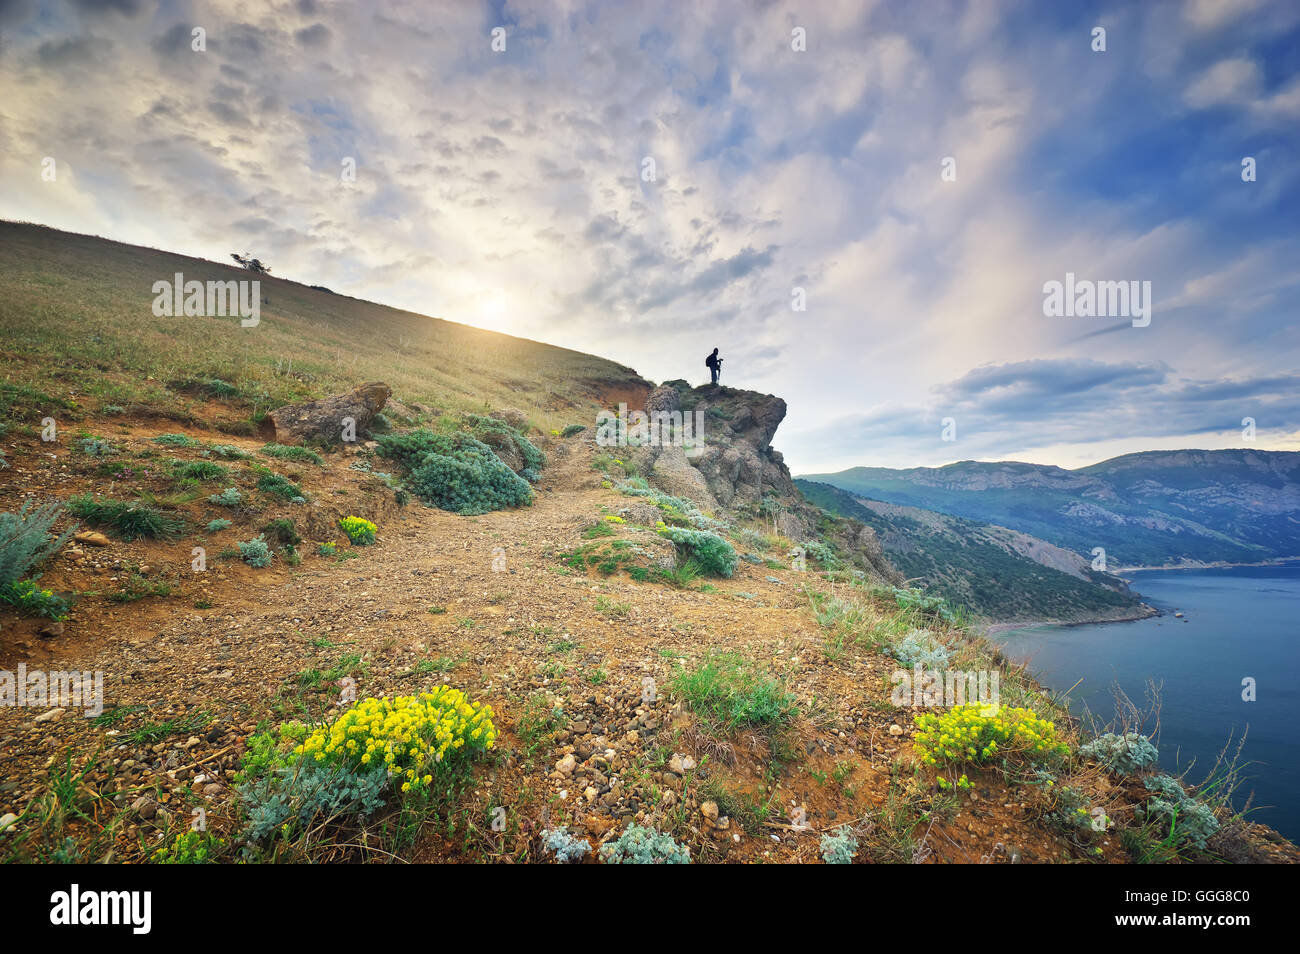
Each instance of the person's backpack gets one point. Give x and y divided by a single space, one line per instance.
708 362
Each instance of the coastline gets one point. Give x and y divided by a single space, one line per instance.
1216 565
1003 626
1142 612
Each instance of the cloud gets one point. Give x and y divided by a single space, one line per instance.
506 189
1227 82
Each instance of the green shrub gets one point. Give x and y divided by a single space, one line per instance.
282 531
128 520
96 447
644 846
200 470
823 554
289 452
715 555
1125 754
1190 821
573 429
289 797
176 440
730 691
255 552
278 486
230 497
480 427
26 597
189 848
469 480
918 602
327 549
920 648
455 472
26 539
217 525
677 511
565 847
230 452
839 847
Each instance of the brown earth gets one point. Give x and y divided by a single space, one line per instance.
484 604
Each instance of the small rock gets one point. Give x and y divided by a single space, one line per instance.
895 729
566 765
92 538
680 764
53 715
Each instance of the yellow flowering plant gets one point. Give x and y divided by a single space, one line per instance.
981 733
359 530
418 738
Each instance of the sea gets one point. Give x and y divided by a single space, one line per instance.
1240 629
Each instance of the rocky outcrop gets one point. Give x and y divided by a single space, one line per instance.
714 445
323 421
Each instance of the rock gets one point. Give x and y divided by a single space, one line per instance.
504 447
92 538
52 715
512 416
7 820
895 729
50 630
566 765
680 764
323 420
735 466
144 807
710 811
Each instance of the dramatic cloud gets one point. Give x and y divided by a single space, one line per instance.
648 182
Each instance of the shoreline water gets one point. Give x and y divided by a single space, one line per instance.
1216 565
1003 626
1216 631
997 628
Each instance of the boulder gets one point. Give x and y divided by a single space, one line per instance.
322 420
512 416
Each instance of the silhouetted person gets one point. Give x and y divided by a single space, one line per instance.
714 364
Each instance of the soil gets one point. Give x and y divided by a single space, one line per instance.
484 604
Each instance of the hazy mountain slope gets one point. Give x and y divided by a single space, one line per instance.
1146 509
997 573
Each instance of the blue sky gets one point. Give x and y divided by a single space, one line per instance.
506 189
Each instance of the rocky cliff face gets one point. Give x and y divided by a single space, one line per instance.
718 451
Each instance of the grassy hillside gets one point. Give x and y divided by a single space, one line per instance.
80 335
1150 509
977 565
569 667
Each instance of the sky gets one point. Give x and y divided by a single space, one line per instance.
649 181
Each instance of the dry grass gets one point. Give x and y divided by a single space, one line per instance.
77 319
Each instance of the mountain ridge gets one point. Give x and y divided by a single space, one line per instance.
1149 508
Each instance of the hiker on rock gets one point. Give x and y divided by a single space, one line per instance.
714 364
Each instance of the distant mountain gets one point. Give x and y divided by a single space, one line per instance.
1149 509
998 574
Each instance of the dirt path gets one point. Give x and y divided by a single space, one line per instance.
485 604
